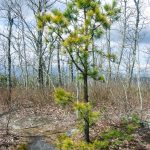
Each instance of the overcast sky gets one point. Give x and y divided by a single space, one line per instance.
145 32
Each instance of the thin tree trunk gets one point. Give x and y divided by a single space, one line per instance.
10 20
86 119
85 78
139 86
25 57
71 73
59 67
136 37
40 63
123 37
48 67
109 54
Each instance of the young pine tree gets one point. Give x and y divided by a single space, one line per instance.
81 21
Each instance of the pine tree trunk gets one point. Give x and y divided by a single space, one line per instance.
85 77
86 119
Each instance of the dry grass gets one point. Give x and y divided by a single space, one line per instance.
117 101
113 100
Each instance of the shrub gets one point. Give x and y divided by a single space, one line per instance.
22 147
62 97
84 109
67 143
3 81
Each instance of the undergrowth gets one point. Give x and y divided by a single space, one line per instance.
112 138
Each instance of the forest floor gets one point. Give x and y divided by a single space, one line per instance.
34 115
48 122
